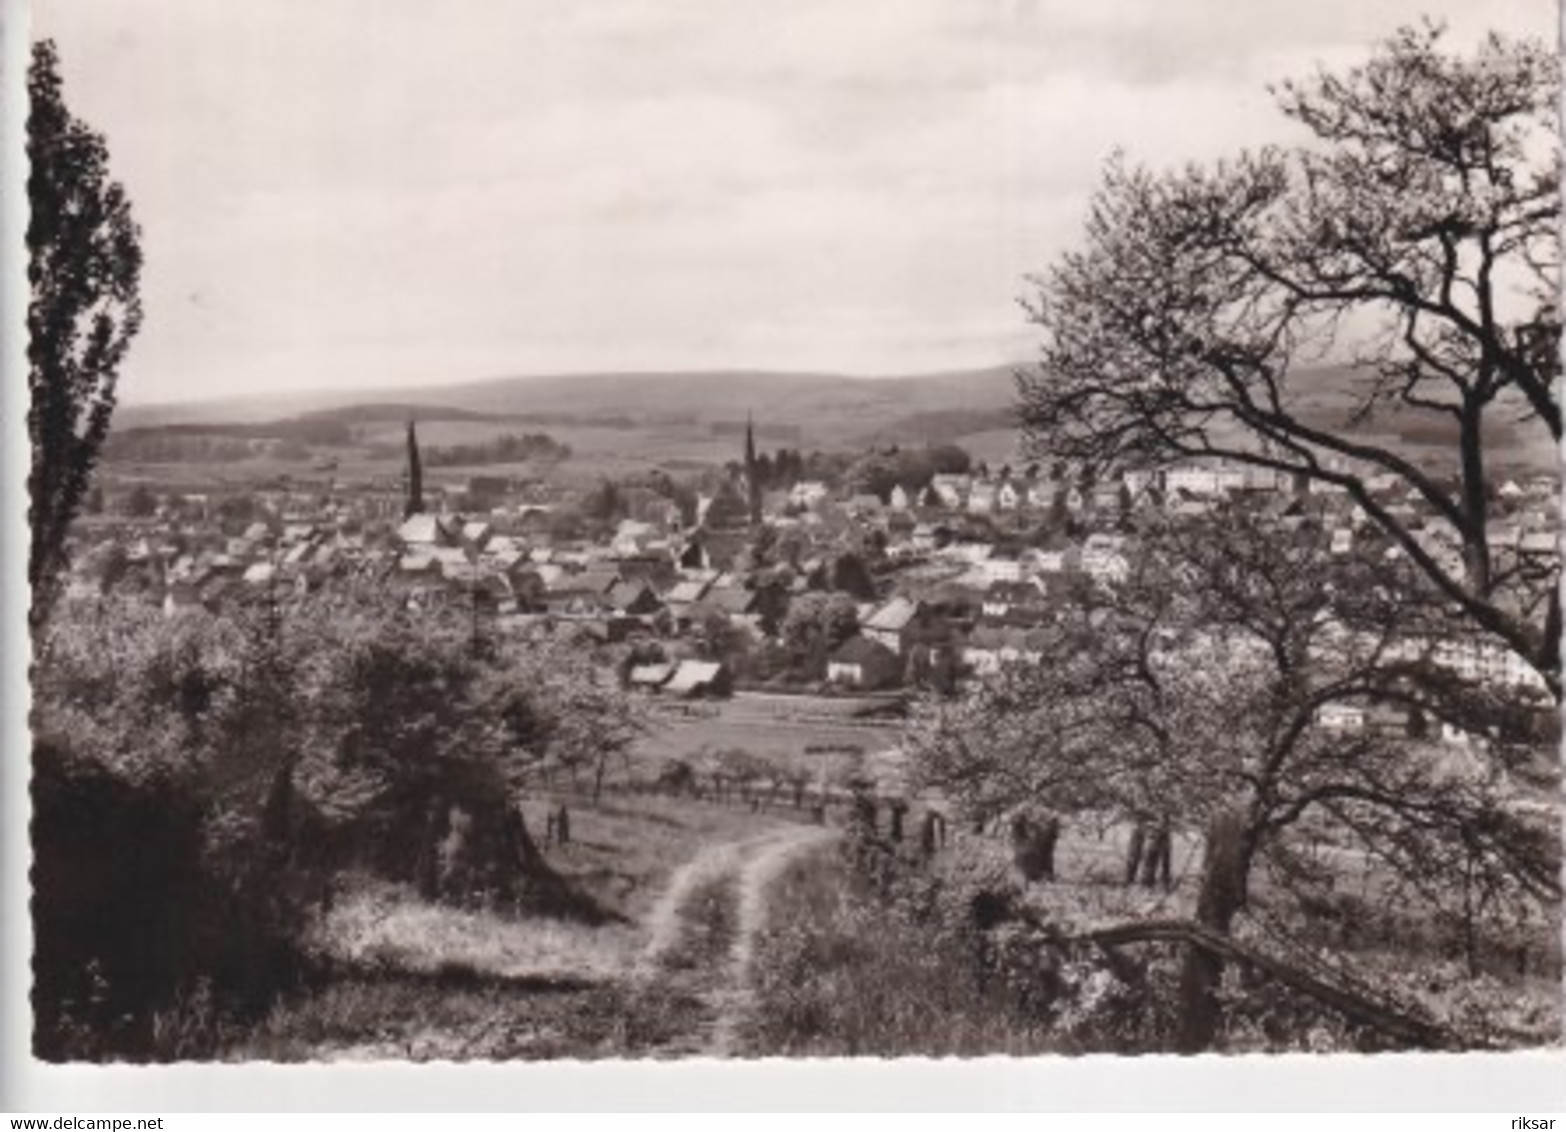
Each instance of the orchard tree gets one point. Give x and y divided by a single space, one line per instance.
1417 237
84 271
1194 695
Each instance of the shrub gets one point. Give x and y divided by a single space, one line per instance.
199 780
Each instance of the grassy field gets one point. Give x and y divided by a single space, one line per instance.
838 974
733 931
819 736
848 965
422 981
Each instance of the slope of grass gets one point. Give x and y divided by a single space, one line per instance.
836 974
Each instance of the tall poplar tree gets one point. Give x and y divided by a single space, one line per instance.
84 271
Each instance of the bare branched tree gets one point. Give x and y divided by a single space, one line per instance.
1416 237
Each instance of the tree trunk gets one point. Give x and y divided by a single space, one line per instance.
1134 851
1224 869
427 867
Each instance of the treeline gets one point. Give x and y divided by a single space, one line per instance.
185 443
912 469
508 448
876 471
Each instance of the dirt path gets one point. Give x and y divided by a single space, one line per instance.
758 872
745 869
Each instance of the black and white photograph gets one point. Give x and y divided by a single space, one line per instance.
833 529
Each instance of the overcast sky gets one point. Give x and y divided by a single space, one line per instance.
369 193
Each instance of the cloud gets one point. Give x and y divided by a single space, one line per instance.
368 191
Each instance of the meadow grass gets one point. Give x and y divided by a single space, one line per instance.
835 974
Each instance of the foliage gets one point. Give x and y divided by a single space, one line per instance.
84 269
604 504
816 624
729 508
839 971
878 473
140 503
150 874
200 781
850 576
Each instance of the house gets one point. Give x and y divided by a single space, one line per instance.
599 579
861 662
476 534
300 554
1057 560
687 591
1009 497
578 604
1205 478
1001 565
181 596
889 623
649 677
1106 498
900 500
807 493
1539 544
1390 720
259 574
635 598
990 647
708 549
1140 481
693 678
742 606
1341 717
981 499
1004 597
951 489
684 596
420 565
658 571
1042 494
421 530
1454 736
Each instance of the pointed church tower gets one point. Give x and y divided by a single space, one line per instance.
415 504
752 480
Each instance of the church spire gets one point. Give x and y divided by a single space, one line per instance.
415 503
752 479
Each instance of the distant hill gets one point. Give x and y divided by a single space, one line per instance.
654 418
378 411
821 409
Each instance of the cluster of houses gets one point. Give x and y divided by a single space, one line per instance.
968 569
